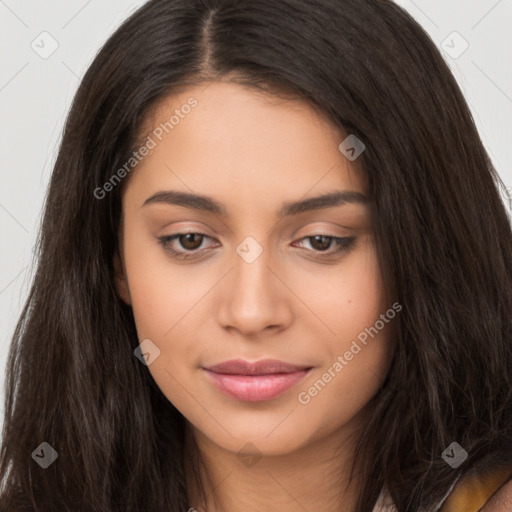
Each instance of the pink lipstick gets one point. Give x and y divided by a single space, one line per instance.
255 382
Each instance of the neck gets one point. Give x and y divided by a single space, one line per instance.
314 477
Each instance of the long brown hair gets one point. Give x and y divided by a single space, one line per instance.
443 238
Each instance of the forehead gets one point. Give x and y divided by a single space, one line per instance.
243 145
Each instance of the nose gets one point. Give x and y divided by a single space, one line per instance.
254 297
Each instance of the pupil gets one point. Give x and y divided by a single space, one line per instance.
189 244
325 245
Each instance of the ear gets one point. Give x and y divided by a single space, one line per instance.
121 281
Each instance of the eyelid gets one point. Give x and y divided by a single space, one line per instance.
344 244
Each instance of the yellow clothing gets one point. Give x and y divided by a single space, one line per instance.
469 494
472 493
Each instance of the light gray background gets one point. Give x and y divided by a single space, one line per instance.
36 92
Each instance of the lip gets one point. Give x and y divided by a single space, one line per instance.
255 381
261 367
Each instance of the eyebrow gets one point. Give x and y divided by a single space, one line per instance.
207 204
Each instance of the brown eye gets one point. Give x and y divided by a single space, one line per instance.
322 244
189 244
190 241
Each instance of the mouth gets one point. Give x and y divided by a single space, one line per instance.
255 382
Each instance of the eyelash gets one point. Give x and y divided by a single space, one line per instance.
345 244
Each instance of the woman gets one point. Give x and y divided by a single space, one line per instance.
274 273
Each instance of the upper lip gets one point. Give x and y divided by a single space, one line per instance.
262 367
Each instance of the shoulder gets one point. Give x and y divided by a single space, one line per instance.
501 500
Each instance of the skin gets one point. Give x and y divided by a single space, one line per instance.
501 501
252 152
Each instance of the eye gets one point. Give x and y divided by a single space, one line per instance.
191 244
322 243
189 241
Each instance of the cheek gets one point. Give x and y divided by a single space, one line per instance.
357 344
161 292
331 399
166 301
162 301
343 299
355 365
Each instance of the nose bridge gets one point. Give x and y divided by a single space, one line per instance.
252 276
252 299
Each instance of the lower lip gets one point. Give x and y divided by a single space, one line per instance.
255 388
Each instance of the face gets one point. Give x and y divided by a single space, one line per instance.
241 273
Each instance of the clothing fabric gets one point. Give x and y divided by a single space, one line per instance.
474 492
468 495
385 503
